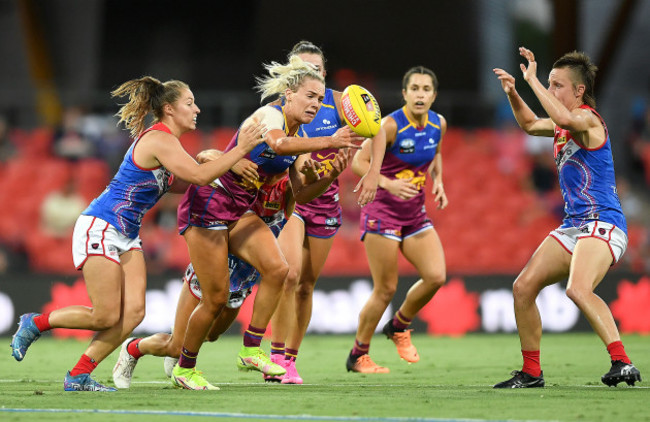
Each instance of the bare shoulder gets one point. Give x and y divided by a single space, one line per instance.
443 123
268 115
389 125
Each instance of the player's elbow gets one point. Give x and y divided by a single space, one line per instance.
358 168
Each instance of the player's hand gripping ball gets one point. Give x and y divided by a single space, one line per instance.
361 111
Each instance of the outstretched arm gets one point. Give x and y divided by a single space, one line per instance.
160 148
578 121
526 118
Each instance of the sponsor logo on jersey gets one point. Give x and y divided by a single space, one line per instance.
269 205
268 153
407 146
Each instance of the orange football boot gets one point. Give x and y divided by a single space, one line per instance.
402 341
363 364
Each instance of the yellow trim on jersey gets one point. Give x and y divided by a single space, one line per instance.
286 125
412 123
405 127
327 105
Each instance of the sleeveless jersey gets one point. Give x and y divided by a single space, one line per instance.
269 163
131 193
587 180
408 158
326 123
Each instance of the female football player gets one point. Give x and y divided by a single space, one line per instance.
106 244
397 221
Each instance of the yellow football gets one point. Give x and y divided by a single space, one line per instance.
361 111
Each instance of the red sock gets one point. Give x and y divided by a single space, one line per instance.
133 349
531 362
86 365
617 351
42 322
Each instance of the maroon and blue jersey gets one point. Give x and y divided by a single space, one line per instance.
132 192
408 157
326 123
587 180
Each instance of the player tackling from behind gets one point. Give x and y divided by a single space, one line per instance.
593 234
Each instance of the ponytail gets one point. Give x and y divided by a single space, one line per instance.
146 95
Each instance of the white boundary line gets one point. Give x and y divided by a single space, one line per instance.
247 416
29 381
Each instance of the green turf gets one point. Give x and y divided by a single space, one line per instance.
453 380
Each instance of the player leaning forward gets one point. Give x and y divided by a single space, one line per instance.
592 236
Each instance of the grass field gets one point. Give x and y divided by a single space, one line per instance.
453 381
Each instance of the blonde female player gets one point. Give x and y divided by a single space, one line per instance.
209 217
106 245
274 204
397 219
308 236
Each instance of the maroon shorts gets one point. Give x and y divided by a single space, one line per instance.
210 208
320 225
392 229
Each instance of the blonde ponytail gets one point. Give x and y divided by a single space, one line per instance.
288 76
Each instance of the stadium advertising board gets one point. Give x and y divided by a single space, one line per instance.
465 304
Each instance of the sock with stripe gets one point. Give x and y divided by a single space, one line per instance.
400 322
291 354
187 358
253 336
359 349
277 349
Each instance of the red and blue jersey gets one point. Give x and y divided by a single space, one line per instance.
132 192
587 180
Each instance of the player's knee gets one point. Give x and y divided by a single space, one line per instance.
524 289
276 274
214 302
304 291
435 280
134 317
385 294
105 320
292 279
576 295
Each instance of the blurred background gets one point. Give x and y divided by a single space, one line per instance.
60 145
